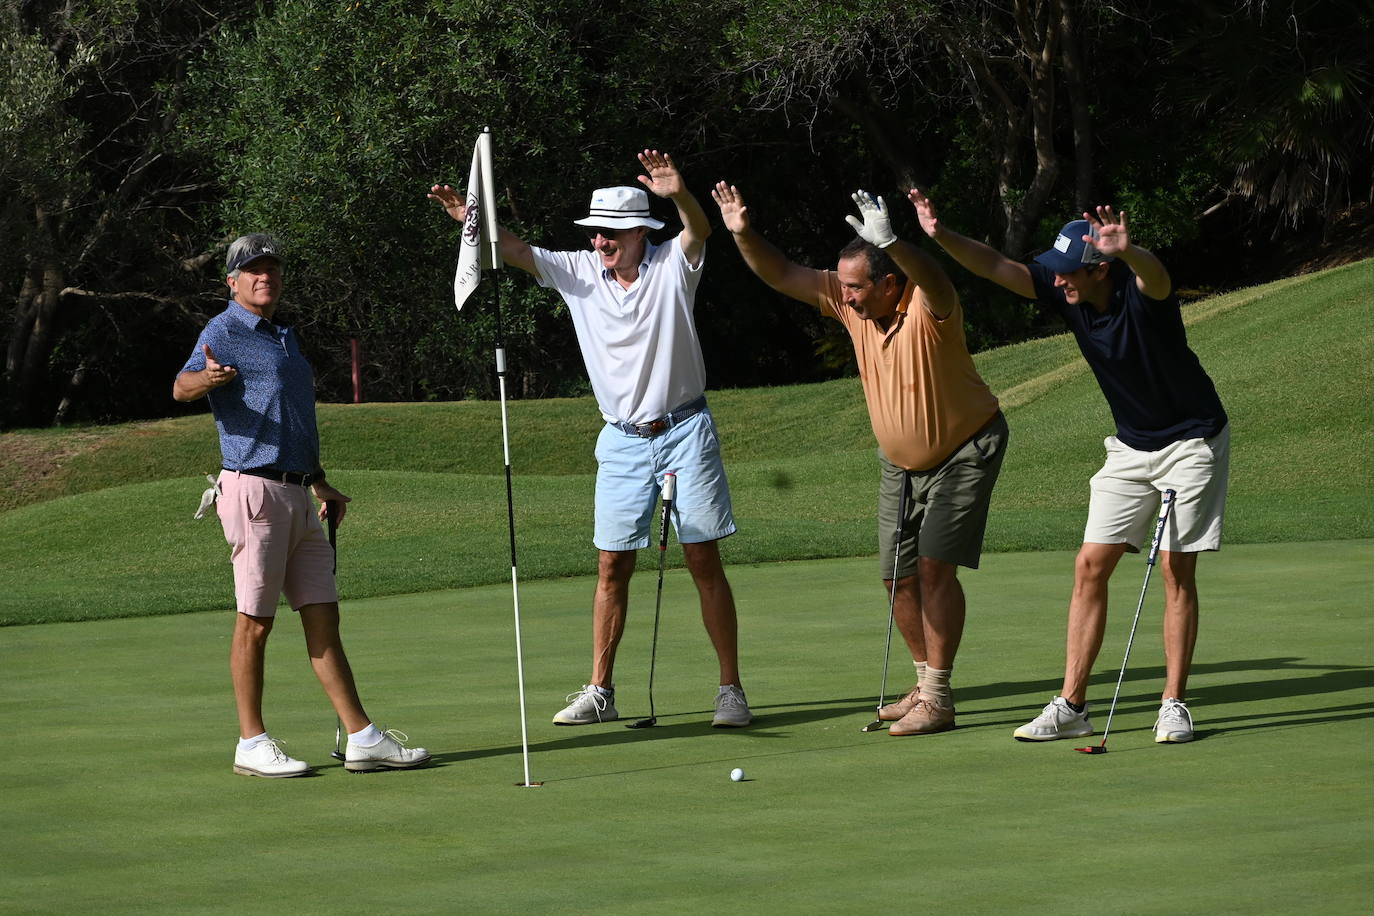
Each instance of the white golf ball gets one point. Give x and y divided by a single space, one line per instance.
736 774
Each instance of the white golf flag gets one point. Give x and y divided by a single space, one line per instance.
479 249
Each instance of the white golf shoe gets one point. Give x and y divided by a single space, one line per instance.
266 758
588 706
1057 720
388 754
1175 723
732 710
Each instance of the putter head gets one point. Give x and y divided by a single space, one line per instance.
337 755
876 725
1094 749
642 723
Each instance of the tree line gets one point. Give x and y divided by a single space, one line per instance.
138 137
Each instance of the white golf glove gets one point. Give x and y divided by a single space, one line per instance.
876 228
207 499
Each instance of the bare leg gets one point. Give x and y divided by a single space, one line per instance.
1087 615
942 611
1180 619
906 612
608 611
247 652
321 625
717 606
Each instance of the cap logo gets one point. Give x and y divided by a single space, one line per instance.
1062 244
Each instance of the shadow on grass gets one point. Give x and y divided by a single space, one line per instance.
770 722
1325 679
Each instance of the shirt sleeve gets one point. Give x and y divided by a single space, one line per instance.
219 344
555 269
830 296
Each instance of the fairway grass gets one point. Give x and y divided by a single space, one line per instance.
118 796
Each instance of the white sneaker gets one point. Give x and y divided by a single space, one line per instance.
587 706
266 758
1175 723
1057 720
732 710
387 754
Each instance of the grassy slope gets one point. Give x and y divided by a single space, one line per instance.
1289 359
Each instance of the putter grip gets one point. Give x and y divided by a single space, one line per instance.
669 486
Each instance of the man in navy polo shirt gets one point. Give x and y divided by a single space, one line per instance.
1171 433
262 394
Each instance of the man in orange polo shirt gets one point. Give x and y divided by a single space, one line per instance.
941 435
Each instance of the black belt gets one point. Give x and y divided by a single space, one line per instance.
296 477
663 423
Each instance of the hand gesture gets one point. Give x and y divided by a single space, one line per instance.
876 228
1113 237
733 212
452 202
925 211
216 373
663 178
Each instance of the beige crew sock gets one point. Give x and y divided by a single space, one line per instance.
920 672
935 686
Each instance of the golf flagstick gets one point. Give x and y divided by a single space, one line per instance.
877 724
331 520
1167 503
480 229
669 492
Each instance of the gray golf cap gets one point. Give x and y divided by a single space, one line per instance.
250 247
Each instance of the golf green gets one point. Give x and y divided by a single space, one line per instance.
118 794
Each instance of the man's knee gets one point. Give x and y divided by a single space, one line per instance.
616 566
1095 562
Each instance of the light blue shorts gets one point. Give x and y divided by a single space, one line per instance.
630 473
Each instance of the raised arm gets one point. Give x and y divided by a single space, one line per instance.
876 229
194 384
983 260
1114 240
664 180
762 256
514 251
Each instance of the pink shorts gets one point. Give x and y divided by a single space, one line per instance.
278 544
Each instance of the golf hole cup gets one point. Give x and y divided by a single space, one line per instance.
736 775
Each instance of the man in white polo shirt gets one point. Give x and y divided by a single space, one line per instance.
631 303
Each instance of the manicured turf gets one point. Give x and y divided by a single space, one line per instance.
118 796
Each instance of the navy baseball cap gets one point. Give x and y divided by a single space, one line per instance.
250 247
1070 252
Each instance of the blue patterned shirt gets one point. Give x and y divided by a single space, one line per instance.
266 415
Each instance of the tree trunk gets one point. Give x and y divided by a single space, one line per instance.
1076 87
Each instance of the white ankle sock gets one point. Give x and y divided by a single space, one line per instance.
365 738
247 744
920 671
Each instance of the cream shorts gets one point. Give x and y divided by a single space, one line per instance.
277 544
1126 494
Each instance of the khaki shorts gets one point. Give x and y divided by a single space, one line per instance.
1126 494
278 545
947 506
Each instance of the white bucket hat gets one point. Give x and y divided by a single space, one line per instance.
620 208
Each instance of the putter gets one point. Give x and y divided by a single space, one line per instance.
331 518
669 490
1168 503
879 724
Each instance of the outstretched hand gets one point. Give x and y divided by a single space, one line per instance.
452 202
216 373
733 213
663 178
925 211
876 228
1113 236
